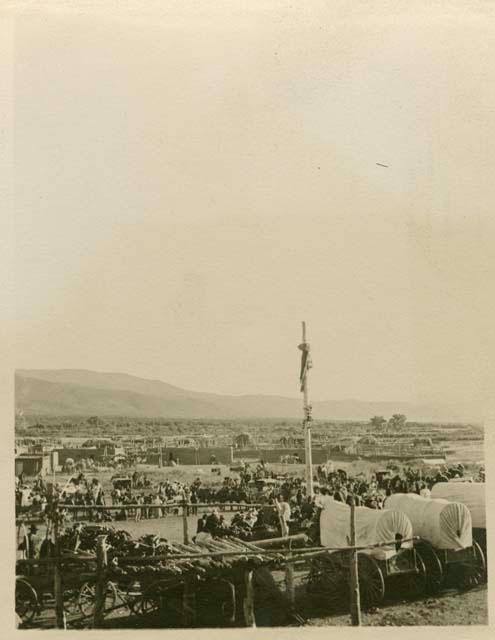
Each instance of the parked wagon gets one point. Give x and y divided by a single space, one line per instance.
35 586
393 567
446 542
194 591
157 593
472 495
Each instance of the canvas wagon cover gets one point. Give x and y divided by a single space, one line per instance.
372 525
471 494
446 525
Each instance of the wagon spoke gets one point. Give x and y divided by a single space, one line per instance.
26 600
371 581
434 568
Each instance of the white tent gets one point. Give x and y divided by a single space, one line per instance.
446 525
372 525
471 494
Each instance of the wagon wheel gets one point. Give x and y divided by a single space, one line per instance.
162 598
26 600
417 582
327 578
371 581
71 601
215 602
480 563
87 596
132 597
434 569
270 602
474 572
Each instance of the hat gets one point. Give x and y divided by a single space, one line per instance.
33 528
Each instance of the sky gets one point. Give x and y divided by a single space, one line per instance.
193 180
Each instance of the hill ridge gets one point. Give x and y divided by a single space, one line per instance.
85 392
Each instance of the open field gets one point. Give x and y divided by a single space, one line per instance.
169 527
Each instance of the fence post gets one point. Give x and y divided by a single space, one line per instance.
188 605
25 539
57 575
184 521
249 617
101 582
289 580
354 577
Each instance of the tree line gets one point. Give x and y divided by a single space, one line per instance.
395 423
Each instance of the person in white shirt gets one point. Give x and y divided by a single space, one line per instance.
157 502
284 514
323 498
424 492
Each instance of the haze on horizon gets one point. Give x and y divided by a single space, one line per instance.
191 185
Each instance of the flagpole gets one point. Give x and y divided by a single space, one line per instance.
307 421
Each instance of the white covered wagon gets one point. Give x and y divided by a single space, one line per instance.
395 565
446 539
472 495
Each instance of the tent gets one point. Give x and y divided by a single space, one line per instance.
445 525
470 494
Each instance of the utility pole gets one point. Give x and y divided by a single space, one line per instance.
57 571
354 575
307 408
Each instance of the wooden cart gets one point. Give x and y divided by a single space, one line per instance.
461 568
381 571
35 586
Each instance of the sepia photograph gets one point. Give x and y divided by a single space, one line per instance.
253 245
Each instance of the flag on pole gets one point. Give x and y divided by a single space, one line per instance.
306 363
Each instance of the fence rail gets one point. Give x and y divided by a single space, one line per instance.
191 507
166 505
206 554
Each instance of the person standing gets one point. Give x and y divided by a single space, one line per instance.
116 496
299 497
139 501
201 523
31 543
194 501
157 513
284 513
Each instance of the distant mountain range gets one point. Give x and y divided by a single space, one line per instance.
78 392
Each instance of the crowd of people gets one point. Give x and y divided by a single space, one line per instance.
289 510
267 505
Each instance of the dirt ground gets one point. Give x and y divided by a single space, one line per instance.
170 527
450 609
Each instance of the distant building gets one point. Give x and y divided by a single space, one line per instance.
33 464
